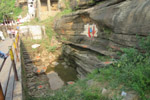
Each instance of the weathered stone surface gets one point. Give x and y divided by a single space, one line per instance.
103 29
131 96
128 17
55 81
83 60
37 82
82 4
70 82
104 91
55 63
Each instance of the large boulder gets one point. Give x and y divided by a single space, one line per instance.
82 4
104 29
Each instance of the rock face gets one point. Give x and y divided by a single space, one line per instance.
83 60
102 29
82 4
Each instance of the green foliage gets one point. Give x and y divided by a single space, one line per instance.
145 43
91 1
7 7
49 32
66 11
103 58
64 39
107 31
67 4
132 70
78 91
51 48
16 12
87 94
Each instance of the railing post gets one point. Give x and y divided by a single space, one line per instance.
2 97
16 51
2 64
18 42
13 62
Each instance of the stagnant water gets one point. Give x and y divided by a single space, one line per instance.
66 74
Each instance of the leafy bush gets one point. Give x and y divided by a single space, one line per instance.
145 44
8 9
132 69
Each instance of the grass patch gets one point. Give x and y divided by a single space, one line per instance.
17 12
132 70
78 91
51 48
107 31
104 58
91 1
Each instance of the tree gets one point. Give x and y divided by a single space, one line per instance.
7 8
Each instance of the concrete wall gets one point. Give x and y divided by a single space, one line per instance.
36 31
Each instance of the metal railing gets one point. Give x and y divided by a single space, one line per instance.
13 65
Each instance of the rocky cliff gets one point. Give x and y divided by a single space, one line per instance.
101 30
83 4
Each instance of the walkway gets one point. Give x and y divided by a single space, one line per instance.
5 73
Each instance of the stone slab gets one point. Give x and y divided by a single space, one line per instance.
54 80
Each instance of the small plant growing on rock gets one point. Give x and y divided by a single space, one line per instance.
91 1
107 31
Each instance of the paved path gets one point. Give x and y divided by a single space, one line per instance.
4 47
5 72
6 68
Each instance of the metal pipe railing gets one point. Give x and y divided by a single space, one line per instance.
2 64
13 65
